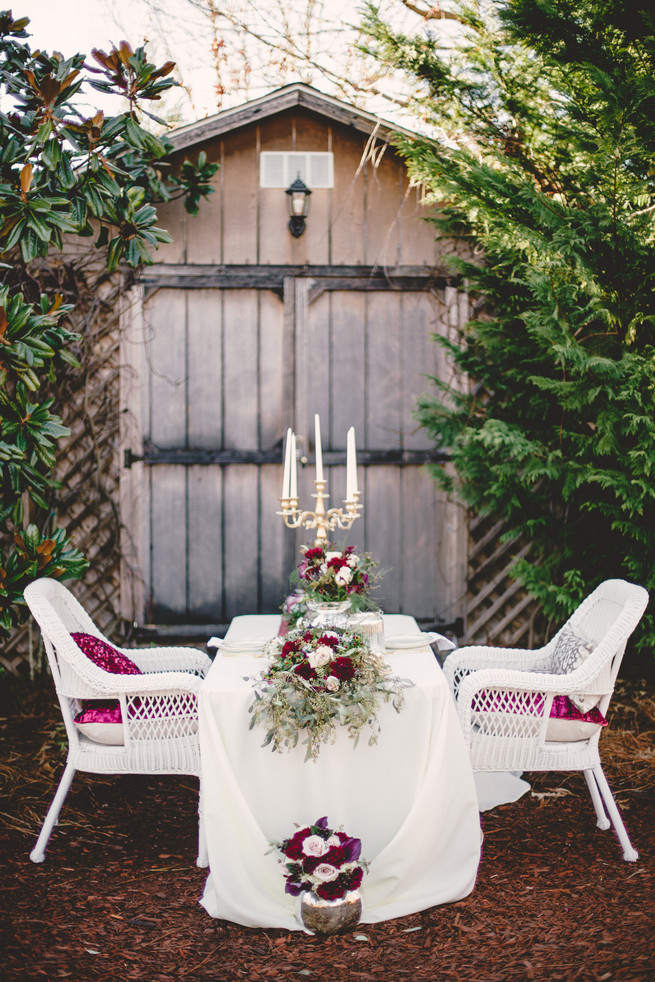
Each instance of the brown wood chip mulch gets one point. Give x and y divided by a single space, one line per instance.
117 897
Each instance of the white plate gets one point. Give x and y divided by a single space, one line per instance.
408 642
239 646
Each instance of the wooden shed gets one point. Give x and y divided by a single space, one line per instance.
242 329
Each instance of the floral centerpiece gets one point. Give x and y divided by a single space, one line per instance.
293 610
317 680
330 573
322 861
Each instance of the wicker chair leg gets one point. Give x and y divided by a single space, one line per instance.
38 853
603 821
630 854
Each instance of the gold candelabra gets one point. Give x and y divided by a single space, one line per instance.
321 518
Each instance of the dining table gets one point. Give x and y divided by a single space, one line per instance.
410 797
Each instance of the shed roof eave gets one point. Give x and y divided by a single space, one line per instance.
287 97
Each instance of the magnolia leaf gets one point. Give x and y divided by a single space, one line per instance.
26 178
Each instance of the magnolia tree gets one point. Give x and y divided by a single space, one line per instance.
63 173
542 159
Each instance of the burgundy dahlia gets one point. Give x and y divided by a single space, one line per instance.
353 878
331 890
343 668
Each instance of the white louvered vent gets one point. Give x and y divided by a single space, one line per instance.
278 170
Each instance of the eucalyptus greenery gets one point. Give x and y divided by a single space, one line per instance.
541 170
64 172
318 680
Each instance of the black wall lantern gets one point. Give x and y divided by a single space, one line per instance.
298 206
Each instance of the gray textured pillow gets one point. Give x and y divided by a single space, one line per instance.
570 652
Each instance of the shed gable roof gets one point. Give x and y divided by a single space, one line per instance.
287 97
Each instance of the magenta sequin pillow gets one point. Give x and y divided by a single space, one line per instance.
567 724
104 656
101 722
564 708
107 711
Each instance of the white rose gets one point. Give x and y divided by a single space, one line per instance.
320 656
332 555
334 840
353 560
344 576
323 568
332 684
313 845
325 872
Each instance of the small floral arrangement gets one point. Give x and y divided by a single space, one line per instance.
318 679
293 610
321 860
332 573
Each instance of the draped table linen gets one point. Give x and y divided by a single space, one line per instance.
410 798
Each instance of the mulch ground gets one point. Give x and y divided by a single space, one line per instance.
117 897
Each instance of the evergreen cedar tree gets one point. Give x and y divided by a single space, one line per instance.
545 166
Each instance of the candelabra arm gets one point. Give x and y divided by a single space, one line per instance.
320 519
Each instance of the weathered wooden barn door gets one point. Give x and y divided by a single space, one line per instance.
215 372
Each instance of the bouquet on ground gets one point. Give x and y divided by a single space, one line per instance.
317 680
322 861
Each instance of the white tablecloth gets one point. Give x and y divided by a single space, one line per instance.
410 798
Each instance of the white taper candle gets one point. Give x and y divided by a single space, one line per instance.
286 476
351 478
293 487
318 448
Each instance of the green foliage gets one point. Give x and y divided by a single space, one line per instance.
34 555
63 173
545 111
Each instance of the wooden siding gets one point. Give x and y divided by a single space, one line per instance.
370 217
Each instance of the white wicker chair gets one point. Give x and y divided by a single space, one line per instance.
521 685
159 708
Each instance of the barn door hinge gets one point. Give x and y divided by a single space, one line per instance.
130 458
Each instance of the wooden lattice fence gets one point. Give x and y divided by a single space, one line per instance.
499 611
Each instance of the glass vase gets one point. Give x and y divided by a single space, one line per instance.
326 614
330 916
370 625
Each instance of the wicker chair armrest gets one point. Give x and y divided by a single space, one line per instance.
153 683
486 656
169 659
502 678
476 658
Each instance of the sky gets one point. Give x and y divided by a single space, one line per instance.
80 25
73 26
